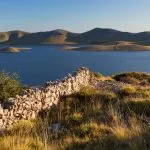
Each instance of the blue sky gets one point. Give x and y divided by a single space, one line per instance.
74 15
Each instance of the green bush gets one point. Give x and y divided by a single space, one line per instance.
9 86
132 77
129 80
97 75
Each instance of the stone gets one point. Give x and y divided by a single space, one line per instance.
55 127
1 122
33 115
1 110
24 96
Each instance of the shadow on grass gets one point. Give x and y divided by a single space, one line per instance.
141 142
140 107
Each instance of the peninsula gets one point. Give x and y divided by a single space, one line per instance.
110 46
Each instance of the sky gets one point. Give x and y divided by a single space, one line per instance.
74 15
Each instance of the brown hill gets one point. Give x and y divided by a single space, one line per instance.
11 36
96 36
50 37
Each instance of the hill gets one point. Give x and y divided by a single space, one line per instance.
50 37
11 36
95 36
109 113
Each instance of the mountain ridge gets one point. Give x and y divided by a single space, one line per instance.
60 36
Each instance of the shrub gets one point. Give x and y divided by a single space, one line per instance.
76 117
97 75
132 77
136 75
9 86
129 80
131 91
88 91
108 96
90 129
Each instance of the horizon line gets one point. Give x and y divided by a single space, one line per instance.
13 30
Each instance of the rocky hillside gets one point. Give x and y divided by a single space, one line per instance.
11 36
95 36
104 113
50 37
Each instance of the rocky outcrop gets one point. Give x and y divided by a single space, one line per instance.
34 100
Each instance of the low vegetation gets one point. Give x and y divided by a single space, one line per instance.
133 78
9 86
97 74
90 119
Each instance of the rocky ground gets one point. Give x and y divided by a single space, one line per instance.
110 84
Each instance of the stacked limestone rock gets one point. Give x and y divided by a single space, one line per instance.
35 100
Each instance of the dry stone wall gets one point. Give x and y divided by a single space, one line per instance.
34 100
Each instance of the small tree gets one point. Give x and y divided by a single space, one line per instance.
9 86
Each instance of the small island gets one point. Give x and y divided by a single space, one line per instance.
12 49
110 46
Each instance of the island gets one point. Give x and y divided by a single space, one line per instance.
110 46
12 49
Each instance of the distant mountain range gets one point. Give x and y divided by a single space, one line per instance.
96 36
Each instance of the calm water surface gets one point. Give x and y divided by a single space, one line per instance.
46 62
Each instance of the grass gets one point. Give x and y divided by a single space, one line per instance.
133 91
22 136
19 143
90 119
